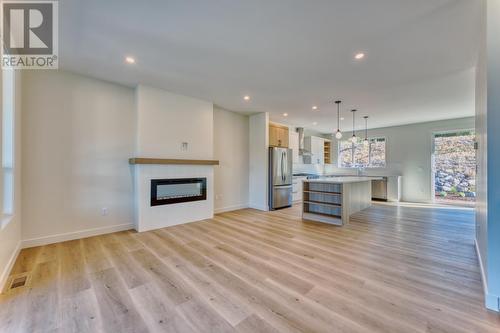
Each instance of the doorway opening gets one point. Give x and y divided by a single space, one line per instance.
454 167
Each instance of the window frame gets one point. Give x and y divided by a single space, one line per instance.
339 162
7 144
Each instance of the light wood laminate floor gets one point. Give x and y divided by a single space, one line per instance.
393 269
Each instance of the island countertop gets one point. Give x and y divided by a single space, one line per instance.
342 179
334 199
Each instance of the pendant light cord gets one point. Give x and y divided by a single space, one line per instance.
353 122
338 115
366 128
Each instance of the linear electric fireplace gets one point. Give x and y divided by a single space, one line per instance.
171 191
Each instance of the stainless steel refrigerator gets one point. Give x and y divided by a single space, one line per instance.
280 177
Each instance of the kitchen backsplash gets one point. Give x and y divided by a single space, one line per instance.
321 169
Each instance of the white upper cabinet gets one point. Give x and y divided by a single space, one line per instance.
316 146
294 145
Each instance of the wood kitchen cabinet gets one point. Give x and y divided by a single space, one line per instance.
278 136
328 151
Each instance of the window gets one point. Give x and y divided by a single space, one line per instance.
454 167
354 155
8 106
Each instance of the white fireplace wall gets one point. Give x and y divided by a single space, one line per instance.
166 120
148 218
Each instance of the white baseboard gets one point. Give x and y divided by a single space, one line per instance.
483 275
74 235
230 208
8 267
492 302
259 207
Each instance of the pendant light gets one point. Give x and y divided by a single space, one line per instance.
354 138
365 141
338 135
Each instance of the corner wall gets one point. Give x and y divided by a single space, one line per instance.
488 124
231 144
259 156
10 235
493 155
78 134
482 155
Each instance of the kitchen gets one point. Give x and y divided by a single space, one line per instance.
312 164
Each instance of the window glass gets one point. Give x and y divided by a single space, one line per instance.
354 155
8 106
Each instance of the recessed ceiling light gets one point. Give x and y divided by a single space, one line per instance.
315 123
130 60
315 107
285 114
342 118
359 56
246 98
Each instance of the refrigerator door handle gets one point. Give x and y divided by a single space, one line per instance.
282 166
285 162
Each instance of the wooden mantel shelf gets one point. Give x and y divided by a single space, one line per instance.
143 160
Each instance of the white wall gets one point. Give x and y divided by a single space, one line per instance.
259 156
78 134
10 234
493 154
231 148
166 120
408 153
482 154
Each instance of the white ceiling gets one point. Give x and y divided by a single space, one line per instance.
288 55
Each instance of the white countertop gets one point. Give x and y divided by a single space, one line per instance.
343 179
363 175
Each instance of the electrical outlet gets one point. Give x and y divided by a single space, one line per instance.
104 211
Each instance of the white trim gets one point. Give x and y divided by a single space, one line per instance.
5 274
492 302
230 208
74 235
483 274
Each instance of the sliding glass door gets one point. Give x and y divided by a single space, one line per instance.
454 167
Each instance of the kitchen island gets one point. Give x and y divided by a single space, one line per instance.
334 199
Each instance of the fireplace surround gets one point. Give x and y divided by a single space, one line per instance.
177 190
185 203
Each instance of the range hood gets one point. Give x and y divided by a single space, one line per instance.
302 150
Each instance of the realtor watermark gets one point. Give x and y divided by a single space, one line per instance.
30 34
